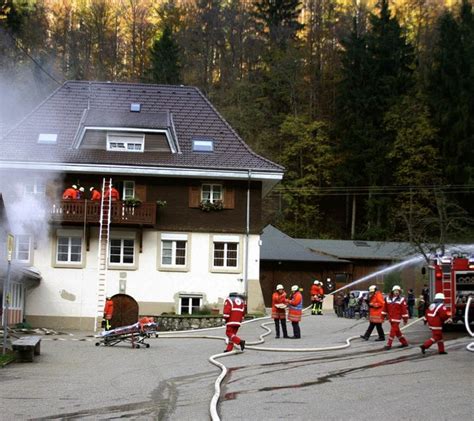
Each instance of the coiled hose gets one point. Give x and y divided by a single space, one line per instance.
469 347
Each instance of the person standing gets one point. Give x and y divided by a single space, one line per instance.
295 304
278 311
95 194
339 303
317 296
112 192
426 295
421 307
234 311
70 193
410 302
108 312
376 304
436 315
80 193
395 309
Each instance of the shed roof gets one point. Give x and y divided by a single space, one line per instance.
278 246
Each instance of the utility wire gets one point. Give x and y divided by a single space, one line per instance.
20 47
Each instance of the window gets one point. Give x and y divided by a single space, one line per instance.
189 304
203 145
128 190
211 193
48 138
69 249
173 253
225 254
22 248
34 187
122 251
126 142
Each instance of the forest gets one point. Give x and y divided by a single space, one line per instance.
369 105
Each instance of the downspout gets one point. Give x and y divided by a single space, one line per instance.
247 234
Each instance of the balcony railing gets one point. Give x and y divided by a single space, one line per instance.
89 212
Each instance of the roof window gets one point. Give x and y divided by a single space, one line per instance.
125 142
135 107
203 145
48 138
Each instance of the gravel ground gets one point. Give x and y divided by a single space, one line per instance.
173 380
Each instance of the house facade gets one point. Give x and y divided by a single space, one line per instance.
185 229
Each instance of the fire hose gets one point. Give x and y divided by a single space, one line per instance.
250 345
469 347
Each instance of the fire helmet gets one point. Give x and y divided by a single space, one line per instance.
439 296
81 189
316 282
396 288
372 288
279 286
295 288
74 187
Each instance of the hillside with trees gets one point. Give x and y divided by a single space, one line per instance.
368 105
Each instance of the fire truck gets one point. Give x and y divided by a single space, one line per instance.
454 277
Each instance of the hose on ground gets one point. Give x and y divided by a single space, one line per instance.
469 347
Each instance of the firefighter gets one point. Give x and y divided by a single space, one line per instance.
436 315
95 194
108 312
376 304
80 193
112 192
278 311
317 296
234 311
70 193
395 309
295 304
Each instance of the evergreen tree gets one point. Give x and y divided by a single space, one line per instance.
165 66
451 91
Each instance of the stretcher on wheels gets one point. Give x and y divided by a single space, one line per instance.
135 334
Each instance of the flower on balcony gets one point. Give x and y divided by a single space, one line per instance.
134 203
208 206
161 203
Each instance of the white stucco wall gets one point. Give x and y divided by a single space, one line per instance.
72 292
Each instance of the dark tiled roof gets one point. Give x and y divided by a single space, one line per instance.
192 114
278 246
96 117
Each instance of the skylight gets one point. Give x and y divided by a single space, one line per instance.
202 145
48 138
135 107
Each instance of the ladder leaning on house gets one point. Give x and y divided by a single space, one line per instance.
104 233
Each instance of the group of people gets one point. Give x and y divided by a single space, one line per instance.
394 308
78 193
347 305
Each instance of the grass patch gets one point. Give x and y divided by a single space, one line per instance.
6 359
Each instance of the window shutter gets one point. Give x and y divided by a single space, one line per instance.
194 196
229 198
140 192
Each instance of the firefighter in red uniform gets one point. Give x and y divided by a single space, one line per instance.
108 312
317 296
395 309
95 194
295 304
70 193
436 315
112 192
234 311
376 304
278 311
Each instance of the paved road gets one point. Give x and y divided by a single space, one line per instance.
172 380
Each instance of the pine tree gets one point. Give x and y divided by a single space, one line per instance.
165 66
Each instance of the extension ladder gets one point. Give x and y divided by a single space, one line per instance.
104 234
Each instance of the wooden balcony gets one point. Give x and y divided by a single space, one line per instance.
87 211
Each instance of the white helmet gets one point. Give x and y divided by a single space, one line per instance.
81 189
295 288
396 288
372 288
74 187
92 188
439 296
279 286
316 282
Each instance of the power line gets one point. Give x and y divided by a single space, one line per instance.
20 47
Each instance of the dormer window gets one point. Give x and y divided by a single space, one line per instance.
125 142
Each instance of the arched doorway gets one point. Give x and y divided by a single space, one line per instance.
125 310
